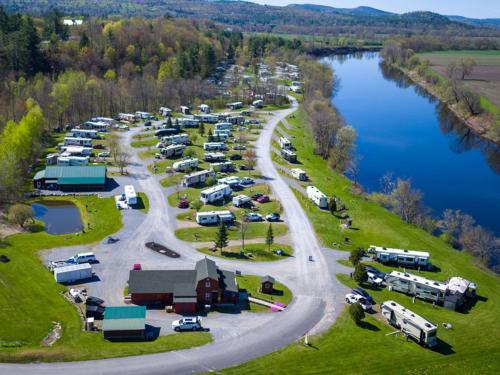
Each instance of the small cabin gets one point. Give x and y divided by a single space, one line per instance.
267 284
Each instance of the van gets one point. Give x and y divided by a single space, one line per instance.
82 258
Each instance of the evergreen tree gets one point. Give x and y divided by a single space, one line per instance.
356 312
221 240
360 275
269 237
201 129
84 40
356 255
169 122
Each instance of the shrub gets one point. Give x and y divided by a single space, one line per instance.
360 275
357 313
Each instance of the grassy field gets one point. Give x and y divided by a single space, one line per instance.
253 252
30 299
205 234
485 79
471 347
251 284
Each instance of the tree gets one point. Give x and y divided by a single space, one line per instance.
342 153
84 40
467 66
407 200
332 205
244 225
221 240
480 242
356 256
471 101
356 312
196 205
122 160
114 146
269 237
360 275
169 122
250 158
20 213
201 129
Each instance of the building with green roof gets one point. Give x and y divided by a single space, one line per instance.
124 322
89 177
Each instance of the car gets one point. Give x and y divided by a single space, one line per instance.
105 154
137 267
187 324
252 216
243 167
183 204
273 217
99 146
280 252
236 157
239 147
256 196
263 199
147 123
94 301
363 293
374 279
247 180
356 298
375 271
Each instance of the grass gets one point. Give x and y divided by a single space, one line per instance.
253 252
144 142
142 202
251 284
208 233
471 347
490 58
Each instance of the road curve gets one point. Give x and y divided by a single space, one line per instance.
317 296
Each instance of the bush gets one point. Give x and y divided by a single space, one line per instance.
356 256
360 275
357 313
19 214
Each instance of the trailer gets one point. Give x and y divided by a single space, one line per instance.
225 166
205 108
143 115
221 135
76 151
185 110
241 200
72 161
214 156
211 119
299 174
236 120
214 217
173 151
77 141
73 273
84 133
232 181
285 143
160 133
185 122
215 193
130 195
183 165
176 139
407 258
223 126
314 194
259 103
410 324
198 177
289 155
235 105
165 111
97 125
128 117
214 146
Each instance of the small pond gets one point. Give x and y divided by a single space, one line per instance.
60 217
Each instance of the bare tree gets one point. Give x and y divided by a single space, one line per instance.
250 158
407 201
387 183
342 154
122 160
244 225
467 66
480 242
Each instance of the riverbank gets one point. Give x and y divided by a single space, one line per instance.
347 50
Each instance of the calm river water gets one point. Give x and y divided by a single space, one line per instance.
403 130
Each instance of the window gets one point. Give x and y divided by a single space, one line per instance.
207 284
207 296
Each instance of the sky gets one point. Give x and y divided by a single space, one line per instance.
467 8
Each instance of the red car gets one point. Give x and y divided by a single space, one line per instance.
183 204
263 199
137 267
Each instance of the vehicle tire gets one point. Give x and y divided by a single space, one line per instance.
347 300
194 328
176 329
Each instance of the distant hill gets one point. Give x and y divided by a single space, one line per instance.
362 10
486 22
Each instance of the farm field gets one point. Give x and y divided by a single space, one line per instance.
485 79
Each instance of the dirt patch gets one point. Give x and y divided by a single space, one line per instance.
53 336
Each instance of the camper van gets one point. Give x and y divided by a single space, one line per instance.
183 165
285 143
289 155
214 217
198 177
299 174
411 324
407 258
176 139
214 146
130 195
314 194
172 151
215 193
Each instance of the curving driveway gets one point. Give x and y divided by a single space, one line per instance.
318 296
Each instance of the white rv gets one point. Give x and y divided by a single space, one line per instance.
285 143
211 119
205 108
84 133
223 126
298 174
214 146
289 155
225 166
173 150
241 200
258 103
143 115
215 193
186 122
128 117
72 161
183 165
214 156
314 194
214 217
411 324
198 177
165 111
76 151
221 135
185 110
232 181
235 105
176 139
412 258
97 125
130 195
76 141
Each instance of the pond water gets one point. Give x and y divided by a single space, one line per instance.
403 130
60 217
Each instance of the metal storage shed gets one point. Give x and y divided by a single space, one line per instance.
124 322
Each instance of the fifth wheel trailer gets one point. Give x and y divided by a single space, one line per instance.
75 272
314 194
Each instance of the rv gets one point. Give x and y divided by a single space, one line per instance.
84 133
214 217
235 105
172 151
198 177
128 117
214 146
225 166
222 135
314 194
223 126
183 165
205 108
76 151
186 122
166 132
258 103
232 181
143 115
407 258
71 161
411 324
241 200
176 139
97 125
51 159
76 141
211 119
215 193
130 195
106 120
285 143
246 113
164 111
185 110
214 156
289 155
299 174
236 120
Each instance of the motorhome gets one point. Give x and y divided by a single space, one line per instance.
186 164
223 126
241 200
299 174
407 258
205 108
77 141
197 178
215 193
285 143
71 161
232 181
235 105
84 133
172 151
165 111
410 324
258 103
130 195
128 117
214 156
289 155
224 166
143 115
185 110
97 125
186 122
176 139
314 194
214 146
211 119
214 217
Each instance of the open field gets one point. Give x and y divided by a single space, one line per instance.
471 347
206 233
253 252
485 79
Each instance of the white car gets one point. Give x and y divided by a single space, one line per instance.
353 298
187 324
252 216
374 279
104 154
247 180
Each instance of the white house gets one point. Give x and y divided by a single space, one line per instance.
77 141
214 217
130 195
215 193
205 108
185 164
298 174
314 194
401 257
165 111
198 177
214 146
241 200
285 143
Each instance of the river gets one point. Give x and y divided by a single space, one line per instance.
403 130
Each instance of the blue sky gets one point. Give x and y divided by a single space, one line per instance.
468 8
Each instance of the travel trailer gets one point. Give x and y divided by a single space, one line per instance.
285 143
223 126
185 110
185 164
186 122
289 155
232 181
205 108
84 133
198 177
258 103
241 200
129 117
176 139
215 193
211 119
235 105
214 146
172 150
411 324
214 217
314 194
143 115
214 156
299 174
77 141
130 195
407 258
225 166
165 111
71 161
97 125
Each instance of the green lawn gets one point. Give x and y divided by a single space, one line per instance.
145 142
471 347
251 284
253 252
142 202
205 234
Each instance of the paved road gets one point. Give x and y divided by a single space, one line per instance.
318 296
